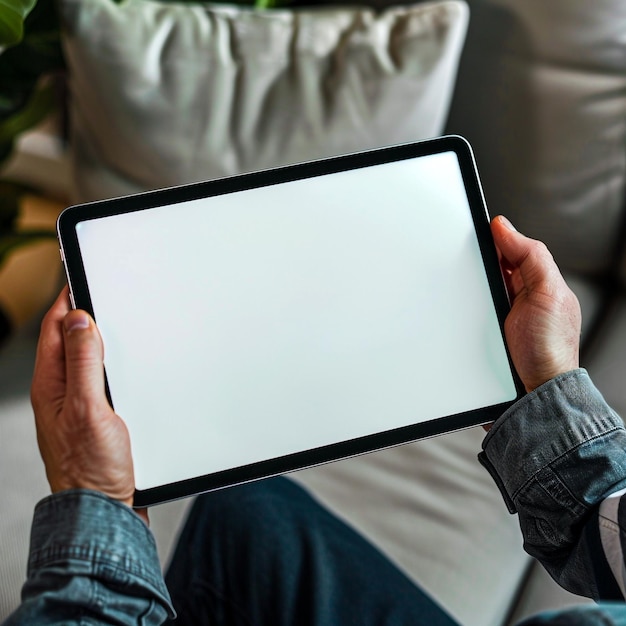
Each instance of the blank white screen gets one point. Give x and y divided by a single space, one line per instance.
252 325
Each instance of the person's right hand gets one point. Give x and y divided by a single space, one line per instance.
543 327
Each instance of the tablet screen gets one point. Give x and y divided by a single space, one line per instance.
270 321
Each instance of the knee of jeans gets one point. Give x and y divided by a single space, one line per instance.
270 505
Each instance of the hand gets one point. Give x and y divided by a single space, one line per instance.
83 443
543 327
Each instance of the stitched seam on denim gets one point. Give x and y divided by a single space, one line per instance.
101 567
81 494
87 554
555 460
546 488
532 397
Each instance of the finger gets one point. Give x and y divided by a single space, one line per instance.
51 338
49 363
533 260
83 362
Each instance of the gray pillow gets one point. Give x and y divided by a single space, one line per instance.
164 93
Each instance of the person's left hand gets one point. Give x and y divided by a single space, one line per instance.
83 443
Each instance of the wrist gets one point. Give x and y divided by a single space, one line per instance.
532 383
62 487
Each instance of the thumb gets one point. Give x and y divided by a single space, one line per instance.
83 359
529 256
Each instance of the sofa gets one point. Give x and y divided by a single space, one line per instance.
539 89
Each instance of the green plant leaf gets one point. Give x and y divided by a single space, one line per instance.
12 16
40 103
21 70
38 106
12 241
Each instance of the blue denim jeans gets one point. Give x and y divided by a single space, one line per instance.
268 553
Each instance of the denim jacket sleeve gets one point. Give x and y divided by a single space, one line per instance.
92 561
559 458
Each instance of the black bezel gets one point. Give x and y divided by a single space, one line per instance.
66 227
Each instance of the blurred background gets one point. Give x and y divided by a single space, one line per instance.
99 99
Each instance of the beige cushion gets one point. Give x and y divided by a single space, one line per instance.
164 94
542 97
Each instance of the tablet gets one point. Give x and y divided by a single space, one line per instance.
277 320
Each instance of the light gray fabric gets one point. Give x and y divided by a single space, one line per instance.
541 96
164 94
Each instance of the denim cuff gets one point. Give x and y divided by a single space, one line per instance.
545 427
84 533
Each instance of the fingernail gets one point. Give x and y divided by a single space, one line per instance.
508 224
76 320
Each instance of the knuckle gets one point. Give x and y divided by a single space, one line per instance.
542 251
